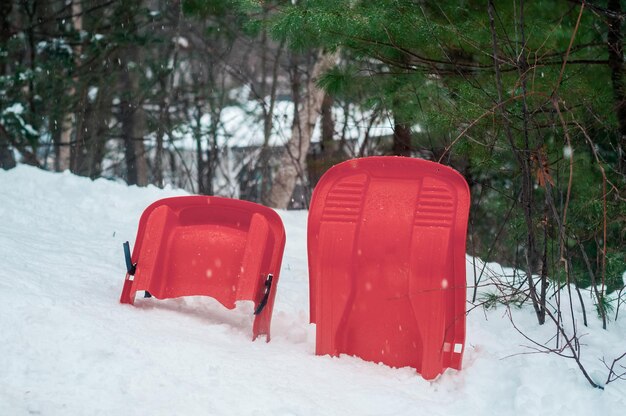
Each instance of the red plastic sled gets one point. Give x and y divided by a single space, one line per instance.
228 249
386 245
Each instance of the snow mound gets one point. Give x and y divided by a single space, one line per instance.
69 348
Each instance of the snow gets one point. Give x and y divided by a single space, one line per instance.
567 152
242 124
15 109
181 41
56 45
69 348
92 93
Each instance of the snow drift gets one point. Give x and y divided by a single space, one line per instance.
69 348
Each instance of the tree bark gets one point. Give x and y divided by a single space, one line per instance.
7 159
96 130
528 201
63 152
616 64
263 164
293 158
332 150
131 111
401 145
67 154
132 120
77 148
164 105
401 139
328 126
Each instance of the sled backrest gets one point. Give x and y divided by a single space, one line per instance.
386 246
227 249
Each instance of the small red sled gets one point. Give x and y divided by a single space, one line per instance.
227 249
386 247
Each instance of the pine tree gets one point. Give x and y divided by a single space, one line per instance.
518 97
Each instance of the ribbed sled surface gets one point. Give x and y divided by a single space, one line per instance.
386 246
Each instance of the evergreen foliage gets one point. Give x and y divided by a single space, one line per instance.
532 111
526 99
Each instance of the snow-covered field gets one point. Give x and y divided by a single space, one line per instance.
67 347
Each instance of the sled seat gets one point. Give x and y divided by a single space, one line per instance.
228 249
386 247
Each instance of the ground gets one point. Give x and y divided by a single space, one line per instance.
68 347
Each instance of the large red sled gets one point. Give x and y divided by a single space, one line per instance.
227 249
386 246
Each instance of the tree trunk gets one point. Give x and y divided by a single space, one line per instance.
401 139
133 117
616 63
7 160
293 158
77 147
263 164
328 126
160 133
331 150
213 150
97 128
528 201
68 150
63 153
